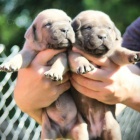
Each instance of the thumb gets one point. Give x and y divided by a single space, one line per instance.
44 56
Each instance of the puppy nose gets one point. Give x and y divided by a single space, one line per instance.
102 36
64 30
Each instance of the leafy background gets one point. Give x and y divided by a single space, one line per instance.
17 15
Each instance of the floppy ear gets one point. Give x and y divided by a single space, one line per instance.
76 24
118 33
38 32
31 33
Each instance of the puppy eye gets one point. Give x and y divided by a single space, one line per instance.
109 28
87 27
48 24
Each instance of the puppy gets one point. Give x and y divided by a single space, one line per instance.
97 35
51 29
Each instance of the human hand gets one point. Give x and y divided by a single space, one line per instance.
108 82
33 90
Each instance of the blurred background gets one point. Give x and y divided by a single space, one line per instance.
17 15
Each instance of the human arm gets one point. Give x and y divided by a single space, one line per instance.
33 90
110 83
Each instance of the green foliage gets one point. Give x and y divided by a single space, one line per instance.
122 12
17 15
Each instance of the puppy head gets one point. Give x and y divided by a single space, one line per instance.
52 28
95 32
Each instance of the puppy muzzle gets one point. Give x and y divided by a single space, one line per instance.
97 44
62 36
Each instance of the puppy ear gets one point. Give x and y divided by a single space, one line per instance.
118 33
76 24
38 34
31 33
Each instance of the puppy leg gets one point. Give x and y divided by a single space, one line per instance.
21 60
59 67
111 128
122 56
79 64
80 131
47 132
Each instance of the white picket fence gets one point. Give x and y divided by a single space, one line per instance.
14 124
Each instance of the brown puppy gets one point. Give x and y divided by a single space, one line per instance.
52 29
97 35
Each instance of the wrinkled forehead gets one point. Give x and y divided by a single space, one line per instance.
52 15
96 18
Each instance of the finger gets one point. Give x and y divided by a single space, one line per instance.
88 83
56 91
63 87
96 74
103 61
44 56
103 95
84 90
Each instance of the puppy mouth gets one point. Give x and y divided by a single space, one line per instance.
66 43
97 51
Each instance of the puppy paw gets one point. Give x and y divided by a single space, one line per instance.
85 68
53 75
8 67
134 58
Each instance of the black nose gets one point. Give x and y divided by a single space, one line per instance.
102 36
64 30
